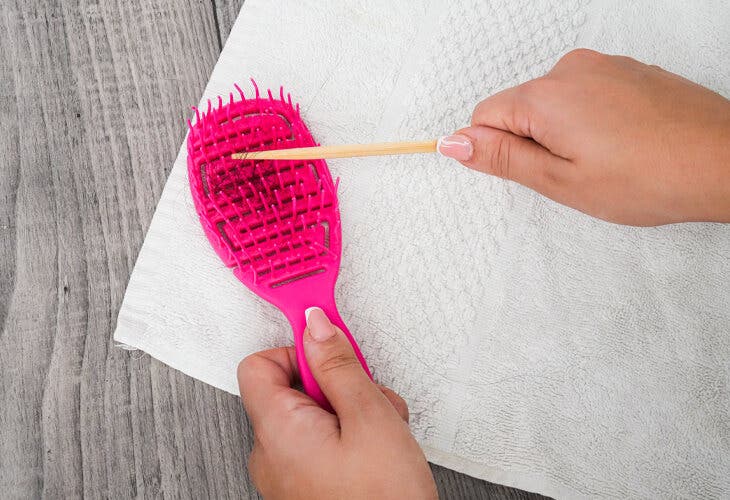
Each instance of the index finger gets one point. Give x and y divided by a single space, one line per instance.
517 110
265 379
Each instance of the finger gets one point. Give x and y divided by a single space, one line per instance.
396 401
517 110
580 59
265 380
510 156
338 371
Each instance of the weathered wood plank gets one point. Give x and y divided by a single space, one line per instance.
226 13
93 97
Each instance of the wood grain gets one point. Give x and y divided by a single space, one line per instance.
93 97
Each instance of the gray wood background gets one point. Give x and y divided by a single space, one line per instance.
93 99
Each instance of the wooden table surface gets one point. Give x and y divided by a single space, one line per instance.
93 99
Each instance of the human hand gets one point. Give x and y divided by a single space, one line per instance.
612 137
300 450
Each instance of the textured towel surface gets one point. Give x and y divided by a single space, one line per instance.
536 347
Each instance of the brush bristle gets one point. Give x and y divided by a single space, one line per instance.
274 220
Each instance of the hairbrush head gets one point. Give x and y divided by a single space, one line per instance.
272 221
275 222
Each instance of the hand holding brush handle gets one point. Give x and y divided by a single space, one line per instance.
363 450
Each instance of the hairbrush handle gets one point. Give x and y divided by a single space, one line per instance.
299 324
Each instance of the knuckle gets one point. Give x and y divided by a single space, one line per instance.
557 178
338 361
581 55
625 59
513 94
246 365
551 177
619 61
499 156
249 366
281 399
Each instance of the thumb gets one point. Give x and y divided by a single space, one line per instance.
337 370
504 154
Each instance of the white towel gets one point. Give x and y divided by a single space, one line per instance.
535 346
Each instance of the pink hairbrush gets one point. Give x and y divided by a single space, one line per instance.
275 222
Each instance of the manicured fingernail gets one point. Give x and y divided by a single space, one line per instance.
319 326
457 146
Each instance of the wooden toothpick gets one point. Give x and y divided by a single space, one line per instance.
340 151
